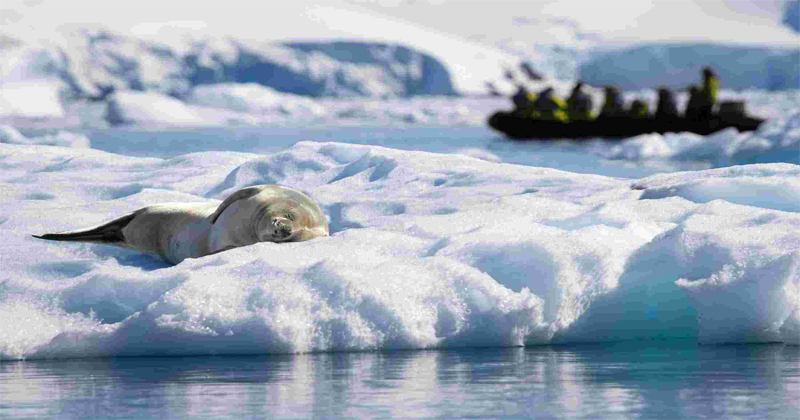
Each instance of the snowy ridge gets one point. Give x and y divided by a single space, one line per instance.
58 83
451 251
558 37
295 47
103 60
679 65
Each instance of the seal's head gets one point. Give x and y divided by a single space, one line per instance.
266 213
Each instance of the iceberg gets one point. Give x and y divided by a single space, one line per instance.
428 250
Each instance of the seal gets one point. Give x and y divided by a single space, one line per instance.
176 231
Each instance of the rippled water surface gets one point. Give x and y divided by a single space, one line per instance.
656 380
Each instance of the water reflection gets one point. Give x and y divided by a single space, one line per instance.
654 380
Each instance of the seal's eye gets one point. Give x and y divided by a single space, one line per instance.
289 216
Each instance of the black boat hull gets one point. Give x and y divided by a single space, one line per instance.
521 128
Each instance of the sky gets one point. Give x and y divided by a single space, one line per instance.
618 22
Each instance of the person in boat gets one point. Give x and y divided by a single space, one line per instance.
523 102
666 109
579 104
695 105
708 92
613 107
639 110
549 107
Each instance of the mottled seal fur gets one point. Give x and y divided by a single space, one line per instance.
176 231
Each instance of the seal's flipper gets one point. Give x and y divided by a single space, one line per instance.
109 233
238 195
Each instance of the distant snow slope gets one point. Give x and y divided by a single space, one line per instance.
54 54
104 59
557 36
303 48
580 23
679 65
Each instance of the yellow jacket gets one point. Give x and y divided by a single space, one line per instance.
710 88
550 108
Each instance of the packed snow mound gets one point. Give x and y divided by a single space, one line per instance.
127 107
10 135
251 98
213 105
427 250
776 140
679 65
725 290
237 105
774 186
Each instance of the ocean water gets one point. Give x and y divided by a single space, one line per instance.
651 380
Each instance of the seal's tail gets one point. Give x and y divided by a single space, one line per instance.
109 233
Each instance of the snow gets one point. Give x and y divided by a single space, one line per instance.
776 140
149 108
9 135
29 83
482 243
254 99
381 49
616 22
249 97
770 187
291 46
31 99
679 65
566 39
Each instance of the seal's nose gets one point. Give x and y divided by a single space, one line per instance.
282 230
